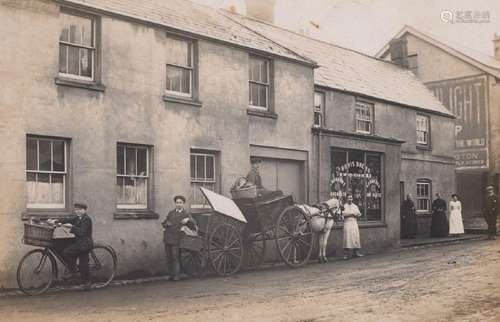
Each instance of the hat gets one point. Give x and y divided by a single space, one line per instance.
255 160
490 187
180 197
80 205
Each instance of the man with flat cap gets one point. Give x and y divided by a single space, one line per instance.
171 236
253 176
490 211
81 227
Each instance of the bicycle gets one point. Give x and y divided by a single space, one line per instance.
38 269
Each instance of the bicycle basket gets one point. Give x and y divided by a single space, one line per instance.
38 235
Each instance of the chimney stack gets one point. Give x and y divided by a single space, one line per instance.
261 9
399 52
496 46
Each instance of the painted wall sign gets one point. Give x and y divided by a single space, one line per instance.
467 99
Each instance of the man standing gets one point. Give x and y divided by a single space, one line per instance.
81 227
408 218
490 211
171 236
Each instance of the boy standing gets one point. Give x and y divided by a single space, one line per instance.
171 236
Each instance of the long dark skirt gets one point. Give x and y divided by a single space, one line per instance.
409 226
439 224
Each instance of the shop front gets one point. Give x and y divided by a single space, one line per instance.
368 168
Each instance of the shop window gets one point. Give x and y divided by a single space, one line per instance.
180 66
423 130
77 46
203 174
364 117
46 172
424 195
359 173
132 176
319 107
259 82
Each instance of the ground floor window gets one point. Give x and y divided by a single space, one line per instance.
203 174
423 195
46 172
360 173
132 176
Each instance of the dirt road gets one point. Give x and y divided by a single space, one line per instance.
457 282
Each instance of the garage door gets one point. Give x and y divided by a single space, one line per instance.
285 175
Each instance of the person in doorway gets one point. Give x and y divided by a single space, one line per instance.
439 222
352 241
171 236
455 221
81 227
490 211
408 218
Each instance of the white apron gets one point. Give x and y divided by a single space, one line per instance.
351 229
456 223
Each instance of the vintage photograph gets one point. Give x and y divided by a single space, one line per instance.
250 160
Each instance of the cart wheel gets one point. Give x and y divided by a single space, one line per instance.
192 262
294 237
225 249
254 245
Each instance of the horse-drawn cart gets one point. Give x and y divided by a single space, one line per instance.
236 233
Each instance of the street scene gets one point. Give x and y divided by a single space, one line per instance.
452 282
250 160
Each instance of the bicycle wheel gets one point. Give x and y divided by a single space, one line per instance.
36 272
102 265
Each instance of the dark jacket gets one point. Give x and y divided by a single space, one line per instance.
82 229
172 225
253 177
490 206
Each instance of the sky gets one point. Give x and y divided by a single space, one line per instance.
367 25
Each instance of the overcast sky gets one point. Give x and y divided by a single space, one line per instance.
366 25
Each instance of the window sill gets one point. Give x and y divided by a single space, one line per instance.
80 84
46 214
262 113
182 100
201 210
135 214
424 147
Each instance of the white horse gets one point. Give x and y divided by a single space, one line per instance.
322 219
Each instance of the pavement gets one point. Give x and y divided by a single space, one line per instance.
456 281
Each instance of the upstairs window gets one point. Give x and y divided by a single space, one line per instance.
259 82
46 172
180 66
77 49
423 127
364 117
319 103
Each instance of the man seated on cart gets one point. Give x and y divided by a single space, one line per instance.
81 226
253 177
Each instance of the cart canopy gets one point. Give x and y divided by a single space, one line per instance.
223 205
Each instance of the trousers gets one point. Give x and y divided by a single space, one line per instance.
74 252
491 220
172 255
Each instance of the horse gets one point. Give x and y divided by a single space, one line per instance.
322 218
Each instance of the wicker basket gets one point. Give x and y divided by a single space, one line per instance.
192 243
38 235
245 192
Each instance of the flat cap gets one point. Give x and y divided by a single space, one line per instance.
80 205
181 197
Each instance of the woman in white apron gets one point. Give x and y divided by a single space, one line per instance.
351 230
455 221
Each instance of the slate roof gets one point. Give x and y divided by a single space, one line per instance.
186 16
347 70
488 64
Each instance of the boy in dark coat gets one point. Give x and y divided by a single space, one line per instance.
171 236
81 227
